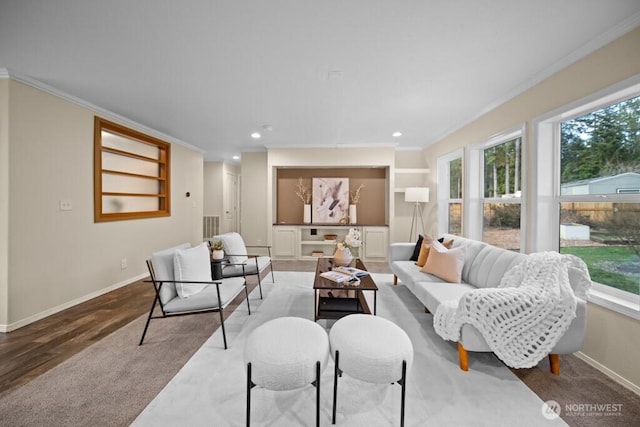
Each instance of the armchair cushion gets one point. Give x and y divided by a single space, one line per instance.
192 264
234 247
252 265
208 298
163 267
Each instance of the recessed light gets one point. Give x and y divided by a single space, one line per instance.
256 135
396 134
236 157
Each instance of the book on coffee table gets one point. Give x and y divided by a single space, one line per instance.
351 271
340 277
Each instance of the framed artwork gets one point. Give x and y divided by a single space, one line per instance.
330 201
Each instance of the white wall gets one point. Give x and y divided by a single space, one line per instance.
59 258
611 64
213 188
255 225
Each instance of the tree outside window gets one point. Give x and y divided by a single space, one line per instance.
600 193
502 192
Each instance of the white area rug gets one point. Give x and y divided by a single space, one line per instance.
210 390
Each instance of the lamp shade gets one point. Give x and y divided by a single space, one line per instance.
416 194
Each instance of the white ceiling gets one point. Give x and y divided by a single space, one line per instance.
319 72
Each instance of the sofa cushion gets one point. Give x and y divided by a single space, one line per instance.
408 273
426 247
417 248
446 265
472 248
433 292
490 265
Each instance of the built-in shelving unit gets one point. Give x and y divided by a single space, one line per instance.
309 242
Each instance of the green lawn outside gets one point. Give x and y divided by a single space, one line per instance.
593 255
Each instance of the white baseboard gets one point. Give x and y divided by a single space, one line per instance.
608 372
54 310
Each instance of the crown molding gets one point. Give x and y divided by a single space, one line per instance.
629 24
110 115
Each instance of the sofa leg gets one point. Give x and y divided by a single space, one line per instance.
554 362
395 280
426 310
464 357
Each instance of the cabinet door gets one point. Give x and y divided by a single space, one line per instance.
375 243
284 242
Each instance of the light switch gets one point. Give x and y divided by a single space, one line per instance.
66 205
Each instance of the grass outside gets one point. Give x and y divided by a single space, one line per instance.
598 256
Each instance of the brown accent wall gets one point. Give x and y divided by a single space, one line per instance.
371 209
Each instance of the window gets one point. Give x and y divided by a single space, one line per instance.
493 203
502 191
600 157
131 174
588 168
455 196
450 192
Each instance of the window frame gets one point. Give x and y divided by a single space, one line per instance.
164 161
444 185
547 198
474 194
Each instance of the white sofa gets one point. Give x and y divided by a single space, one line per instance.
483 268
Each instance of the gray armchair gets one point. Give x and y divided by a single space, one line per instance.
181 278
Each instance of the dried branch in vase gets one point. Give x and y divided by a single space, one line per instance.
303 192
355 196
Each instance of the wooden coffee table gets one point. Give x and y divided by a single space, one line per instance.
335 300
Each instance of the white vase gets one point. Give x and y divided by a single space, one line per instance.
352 214
217 254
342 257
307 214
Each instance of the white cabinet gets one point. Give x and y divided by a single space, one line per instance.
309 242
376 242
285 240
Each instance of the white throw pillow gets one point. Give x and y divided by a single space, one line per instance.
234 247
192 264
446 265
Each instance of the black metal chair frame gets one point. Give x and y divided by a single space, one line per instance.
315 383
338 373
255 258
157 285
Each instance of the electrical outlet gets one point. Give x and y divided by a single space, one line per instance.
123 263
66 205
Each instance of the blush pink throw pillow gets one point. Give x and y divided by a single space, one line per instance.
446 265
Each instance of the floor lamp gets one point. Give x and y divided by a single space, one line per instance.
416 195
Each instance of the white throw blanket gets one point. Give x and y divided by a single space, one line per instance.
525 316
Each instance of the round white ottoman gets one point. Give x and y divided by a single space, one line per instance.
371 349
285 354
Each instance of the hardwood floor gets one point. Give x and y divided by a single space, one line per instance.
34 349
